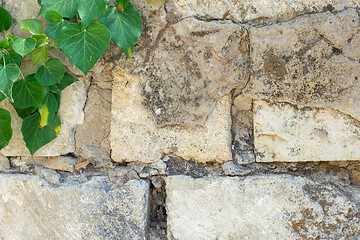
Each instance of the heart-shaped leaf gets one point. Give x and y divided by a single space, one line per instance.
125 26
41 40
28 92
8 75
24 46
50 72
5 20
67 8
5 128
39 55
84 47
11 57
31 25
90 10
56 23
49 108
36 136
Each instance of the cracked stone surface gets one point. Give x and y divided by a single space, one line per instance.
312 61
283 132
188 65
136 137
30 208
260 207
71 115
92 137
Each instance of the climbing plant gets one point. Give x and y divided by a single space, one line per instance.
82 29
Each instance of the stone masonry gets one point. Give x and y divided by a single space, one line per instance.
232 119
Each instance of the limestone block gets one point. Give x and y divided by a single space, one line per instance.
30 208
60 163
260 207
92 137
189 65
243 11
4 164
71 115
312 60
283 132
136 137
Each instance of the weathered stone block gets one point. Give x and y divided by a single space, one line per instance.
136 137
243 11
30 208
260 207
312 60
71 115
283 132
188 65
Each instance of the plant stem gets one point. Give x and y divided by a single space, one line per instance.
22 75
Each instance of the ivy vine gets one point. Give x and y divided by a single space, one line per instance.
82 29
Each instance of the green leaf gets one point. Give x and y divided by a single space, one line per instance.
31 25
8 75
56 23
5 128
5 20
66 81
84 47
125 26
41 40
28 92
36 136
10 39
49 109
39 55
67 8
89 10
12 57
2 55
2 96
25 112
24 46
50 72
5 44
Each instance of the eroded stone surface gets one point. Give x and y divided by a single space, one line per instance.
56 163
92 137
32 209
260 207
242 10
71 115
188 64
283 132
136 137
312 60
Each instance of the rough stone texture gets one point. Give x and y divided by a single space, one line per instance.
92 140
260 207
71 115
245 10
56 163
188 64
284 133
312 60
4 164
136 137
30 208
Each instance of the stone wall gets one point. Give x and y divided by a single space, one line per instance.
231 120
